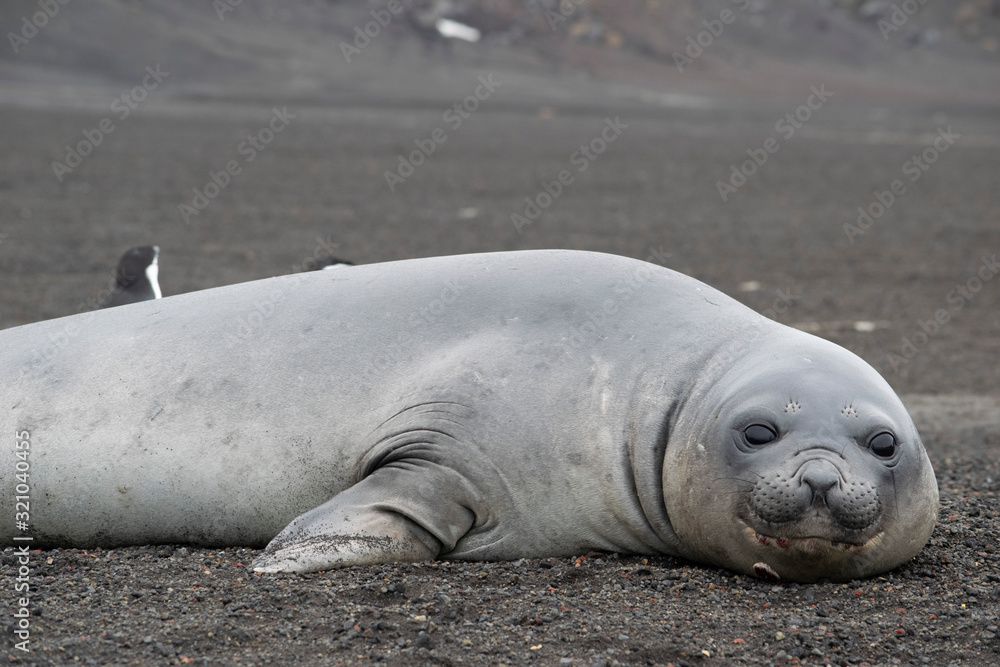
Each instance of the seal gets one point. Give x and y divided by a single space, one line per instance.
494 406
136 277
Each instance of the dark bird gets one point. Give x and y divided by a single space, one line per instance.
136 277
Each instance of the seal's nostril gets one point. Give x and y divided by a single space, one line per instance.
820 478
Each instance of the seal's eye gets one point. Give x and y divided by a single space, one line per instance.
758 434
883 445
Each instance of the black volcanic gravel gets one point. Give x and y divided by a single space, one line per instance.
180 605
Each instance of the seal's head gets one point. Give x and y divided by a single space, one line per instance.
799 462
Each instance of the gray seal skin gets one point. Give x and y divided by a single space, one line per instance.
494 406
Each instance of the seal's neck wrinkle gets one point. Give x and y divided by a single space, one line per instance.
652 416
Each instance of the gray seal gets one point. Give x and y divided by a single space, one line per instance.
494 406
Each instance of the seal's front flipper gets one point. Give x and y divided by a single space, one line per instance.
394 515
339 533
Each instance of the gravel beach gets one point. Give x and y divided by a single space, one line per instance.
181 605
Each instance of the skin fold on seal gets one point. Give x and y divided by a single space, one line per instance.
481 407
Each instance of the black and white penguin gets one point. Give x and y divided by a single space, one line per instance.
136 277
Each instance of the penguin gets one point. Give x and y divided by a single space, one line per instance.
136 277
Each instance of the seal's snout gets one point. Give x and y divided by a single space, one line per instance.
817 494
854 505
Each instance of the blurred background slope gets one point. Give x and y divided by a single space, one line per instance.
942 52
699 85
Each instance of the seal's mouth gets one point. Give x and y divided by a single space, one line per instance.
807 544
